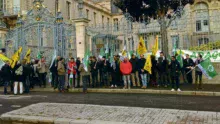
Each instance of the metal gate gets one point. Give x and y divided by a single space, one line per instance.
43 33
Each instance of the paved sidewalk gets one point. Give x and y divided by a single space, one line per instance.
95 114
209 90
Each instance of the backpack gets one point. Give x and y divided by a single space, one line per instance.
19 71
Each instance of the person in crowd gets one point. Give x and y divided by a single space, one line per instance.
188 65
162 66
61 74
115 72
134 73
198 72
85 76
72 67
142 71
105 69
53 70
35 78
6 73
42 71
32 75
100 66
94 72
78 62
19 76
28 77
153 76
126 69
175 73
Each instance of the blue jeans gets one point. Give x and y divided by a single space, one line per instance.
5 87
144 79
61 82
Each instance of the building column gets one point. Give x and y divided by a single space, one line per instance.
81 43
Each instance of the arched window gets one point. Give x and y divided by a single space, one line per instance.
203 41
202 17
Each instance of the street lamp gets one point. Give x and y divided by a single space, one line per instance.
80 8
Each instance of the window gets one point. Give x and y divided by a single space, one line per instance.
56 6
68 9
116 26
198 25
87 13
205 23
94 18
103 19
175 41
202 17
203 41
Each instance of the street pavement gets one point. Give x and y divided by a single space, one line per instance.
197 103
59 113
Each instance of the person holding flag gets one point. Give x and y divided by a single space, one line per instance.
198 72
84 73
94 72
175 73
188 65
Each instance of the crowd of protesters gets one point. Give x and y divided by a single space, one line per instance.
100 73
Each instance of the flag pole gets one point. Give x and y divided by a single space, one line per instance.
191 70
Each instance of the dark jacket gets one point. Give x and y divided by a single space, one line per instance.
19 78
175 68
93 66
134 63
105 66
187 63
162 65
78 62
53 68
6 73
141 63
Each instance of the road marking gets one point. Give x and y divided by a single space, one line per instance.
15 106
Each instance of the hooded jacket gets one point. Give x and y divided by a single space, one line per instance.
126 67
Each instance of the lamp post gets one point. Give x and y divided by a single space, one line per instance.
80 8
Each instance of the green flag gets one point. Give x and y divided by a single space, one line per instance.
86 60
207 69
102 52
39 55
180 60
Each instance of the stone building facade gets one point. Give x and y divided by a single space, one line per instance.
100 18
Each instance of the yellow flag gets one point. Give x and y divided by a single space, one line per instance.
28 56
155 47
4 58
141 47
124 53
148 65
16 57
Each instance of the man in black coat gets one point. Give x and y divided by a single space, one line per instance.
188 64
6 73
105 67
94 72
78 62
162 66
143 73
134 74
116 72
175 73
53 70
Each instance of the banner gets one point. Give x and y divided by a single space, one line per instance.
214 55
